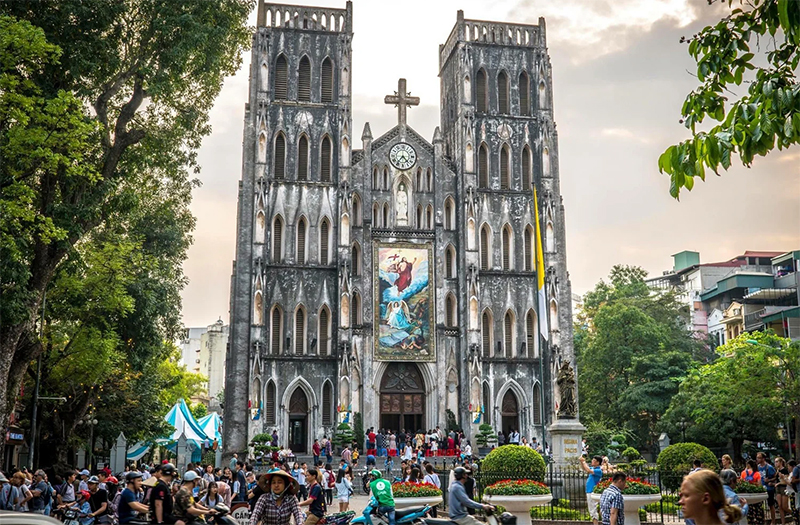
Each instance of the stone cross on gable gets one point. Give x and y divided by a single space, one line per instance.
401 99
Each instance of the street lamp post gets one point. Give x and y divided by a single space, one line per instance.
90 421
682 423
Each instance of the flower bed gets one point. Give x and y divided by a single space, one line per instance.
407 489
517 487
748 487
635 486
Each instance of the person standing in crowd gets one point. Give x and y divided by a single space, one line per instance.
344 489
316 500
769 477
316 450
703 499
23 492
780 489
696 465
161 496
612 504
513 437
298 472
278 503
371 439
432 478
234 460
275 437
241 482
327 480
41 493
793 490
129 506
751 473
208 475
729 480
391 444
380 443
347 456
595 475
66 493
727 462
82 483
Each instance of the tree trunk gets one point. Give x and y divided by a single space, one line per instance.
737 450
796 436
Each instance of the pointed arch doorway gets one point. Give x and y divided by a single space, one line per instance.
402 398
298 420
509 411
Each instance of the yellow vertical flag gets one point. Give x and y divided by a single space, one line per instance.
543 324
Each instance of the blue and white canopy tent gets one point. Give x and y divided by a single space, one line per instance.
136 452
182 420
212 426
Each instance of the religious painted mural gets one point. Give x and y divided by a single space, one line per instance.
405 302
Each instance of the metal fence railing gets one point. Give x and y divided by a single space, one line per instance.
568 486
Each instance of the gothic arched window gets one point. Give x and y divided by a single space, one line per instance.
302 229
356 207
269 406
449 214
279 166
281 78
450 262
486 259
486 333
508 248
324 241
302 158
505 168
327 404
277 239
483 166
325 159
532 334
502 93
356 259
324 331
481 92
327 80
508 333
355 311
304 80
276 330
300 331
527 179
450 310
529 248
524 94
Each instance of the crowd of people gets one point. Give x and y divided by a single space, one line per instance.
709 498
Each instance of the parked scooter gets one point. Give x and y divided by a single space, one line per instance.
402 517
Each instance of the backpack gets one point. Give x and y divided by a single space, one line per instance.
6 497
749 477
331 479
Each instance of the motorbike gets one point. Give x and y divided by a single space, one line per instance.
492 518
222 517
402 517
72 516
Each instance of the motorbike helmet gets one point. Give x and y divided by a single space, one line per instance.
375 473
112 481
85 494
168 469
190 475
130 476
459 473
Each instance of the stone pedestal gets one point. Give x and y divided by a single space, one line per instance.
565 440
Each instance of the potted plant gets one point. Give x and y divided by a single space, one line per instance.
637 493
485 438
518 496
520 473
343 436
407 494
753 493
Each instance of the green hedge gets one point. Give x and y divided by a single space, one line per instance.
675 461
513 462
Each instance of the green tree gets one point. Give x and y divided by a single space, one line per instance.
199 410
753 123
744 394
97 98
633 351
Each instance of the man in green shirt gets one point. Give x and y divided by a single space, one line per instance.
382 491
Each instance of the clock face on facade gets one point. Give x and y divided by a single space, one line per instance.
402 156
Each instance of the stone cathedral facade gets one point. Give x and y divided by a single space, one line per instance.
397 280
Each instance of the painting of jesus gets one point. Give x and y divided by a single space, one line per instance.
404 318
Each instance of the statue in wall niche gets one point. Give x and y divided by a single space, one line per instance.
401 204
567 407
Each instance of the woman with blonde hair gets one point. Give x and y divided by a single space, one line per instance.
727 462
703 499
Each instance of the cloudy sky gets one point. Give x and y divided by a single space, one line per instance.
620 76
